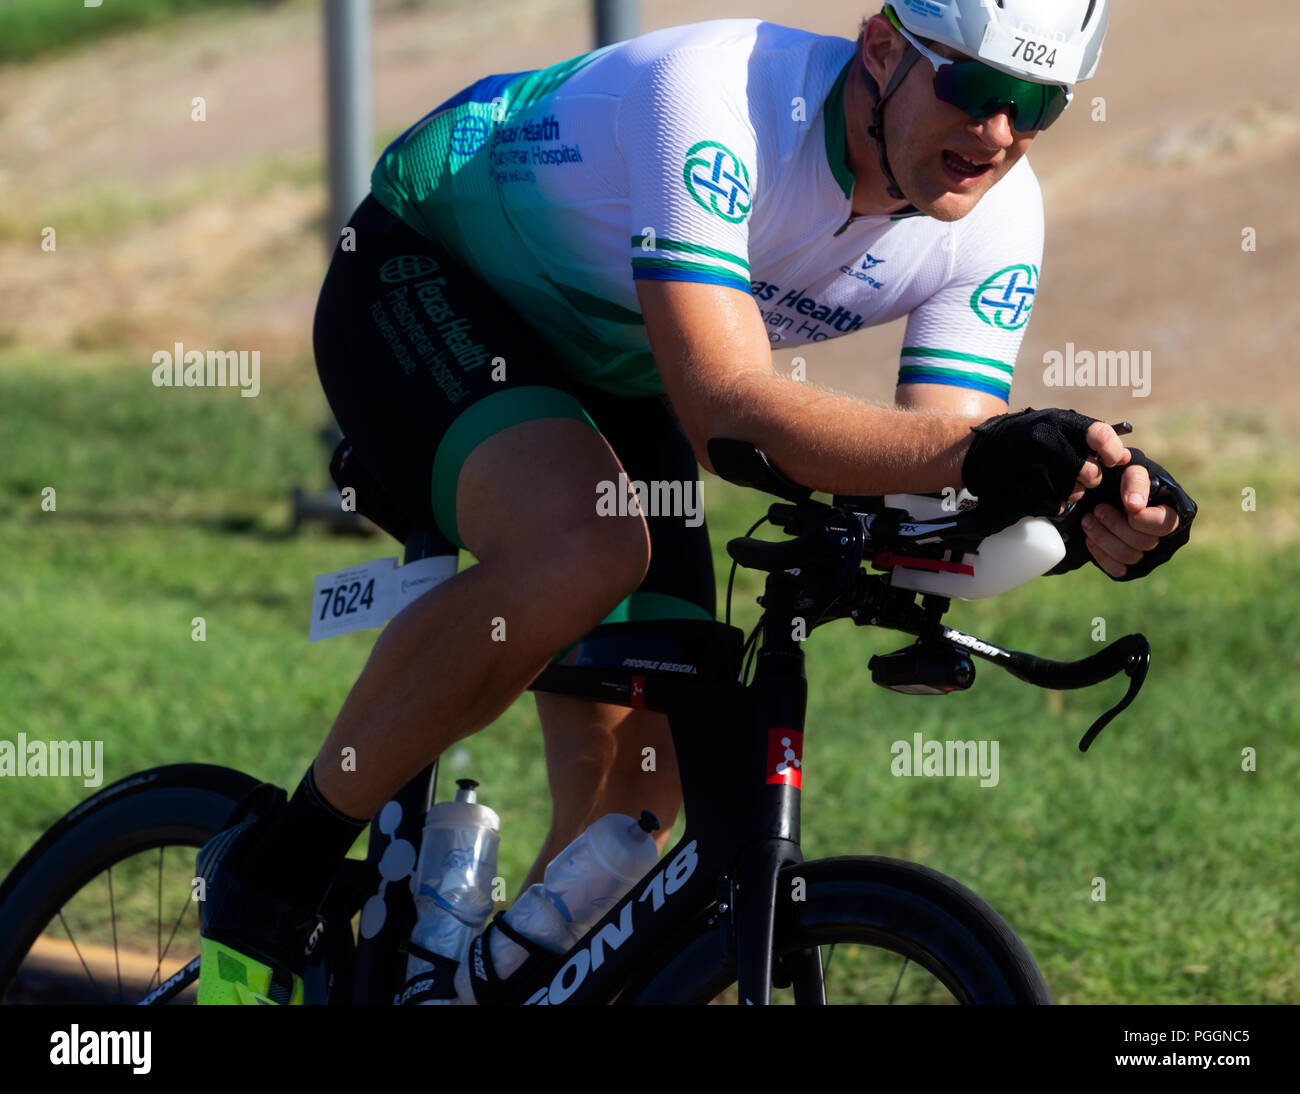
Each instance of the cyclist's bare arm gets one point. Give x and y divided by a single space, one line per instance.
1115 540
967 403
713 355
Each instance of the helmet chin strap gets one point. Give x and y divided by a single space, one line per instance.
876 130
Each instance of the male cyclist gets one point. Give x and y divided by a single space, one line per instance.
573 274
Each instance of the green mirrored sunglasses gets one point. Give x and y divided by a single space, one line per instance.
982 91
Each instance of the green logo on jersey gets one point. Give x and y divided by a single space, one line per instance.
1006 299
718 181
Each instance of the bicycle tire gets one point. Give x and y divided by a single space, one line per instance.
880 903
180 805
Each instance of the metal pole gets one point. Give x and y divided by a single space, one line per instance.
349 140
347 77
616 20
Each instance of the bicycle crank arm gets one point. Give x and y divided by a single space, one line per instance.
1130 655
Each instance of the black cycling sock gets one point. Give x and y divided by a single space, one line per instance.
302 848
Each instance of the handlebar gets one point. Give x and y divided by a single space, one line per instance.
820 577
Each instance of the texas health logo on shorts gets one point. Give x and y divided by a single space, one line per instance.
401 268
718 180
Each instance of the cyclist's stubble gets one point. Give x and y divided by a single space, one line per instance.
918 129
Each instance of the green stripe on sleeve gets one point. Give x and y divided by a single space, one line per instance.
662 244
955 355
921 374
691 267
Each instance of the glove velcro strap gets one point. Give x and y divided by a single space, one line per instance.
1027 462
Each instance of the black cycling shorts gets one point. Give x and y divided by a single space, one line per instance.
408 343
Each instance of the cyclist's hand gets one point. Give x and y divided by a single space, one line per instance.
1117 540
1032 461
1116 528
1110 452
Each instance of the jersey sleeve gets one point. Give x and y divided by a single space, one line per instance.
968 333
691 155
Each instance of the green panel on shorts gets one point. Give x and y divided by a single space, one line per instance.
476 424
642 607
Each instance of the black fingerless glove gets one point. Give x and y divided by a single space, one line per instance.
1027 462
1164 491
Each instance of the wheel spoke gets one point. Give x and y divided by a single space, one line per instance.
68 931
898 981
112 911
158 950
185 907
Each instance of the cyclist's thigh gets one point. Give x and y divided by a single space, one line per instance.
532 489
655 452
433 376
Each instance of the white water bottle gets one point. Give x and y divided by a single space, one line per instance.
1019 553
452 882
582 882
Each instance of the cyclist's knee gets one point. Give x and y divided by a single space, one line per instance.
608 553
527 499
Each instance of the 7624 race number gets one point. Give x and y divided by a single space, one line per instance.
344 599
1035 53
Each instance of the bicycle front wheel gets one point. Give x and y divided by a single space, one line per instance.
857 930
100 910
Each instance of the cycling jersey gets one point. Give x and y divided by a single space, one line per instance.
712 153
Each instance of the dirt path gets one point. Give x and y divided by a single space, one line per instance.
1145 209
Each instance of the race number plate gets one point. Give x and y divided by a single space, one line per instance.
369 595
1041 56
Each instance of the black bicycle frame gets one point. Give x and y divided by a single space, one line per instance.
739 747
742 813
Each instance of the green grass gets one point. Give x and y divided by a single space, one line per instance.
173 504
32 28
112 209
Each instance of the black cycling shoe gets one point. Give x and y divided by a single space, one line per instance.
255 946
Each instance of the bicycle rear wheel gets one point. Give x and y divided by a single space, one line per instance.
100 909
872 930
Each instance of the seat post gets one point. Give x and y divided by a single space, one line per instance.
426 543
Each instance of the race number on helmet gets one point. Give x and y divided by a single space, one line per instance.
1047 41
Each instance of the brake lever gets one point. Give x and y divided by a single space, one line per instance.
1135 667
1130 654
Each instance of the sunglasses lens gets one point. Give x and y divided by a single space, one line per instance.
981 91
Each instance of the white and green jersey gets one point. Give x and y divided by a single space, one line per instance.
711 153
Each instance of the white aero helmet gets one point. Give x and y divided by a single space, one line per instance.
1045 41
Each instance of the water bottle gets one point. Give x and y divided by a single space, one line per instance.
452 883
1025 550
582 882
